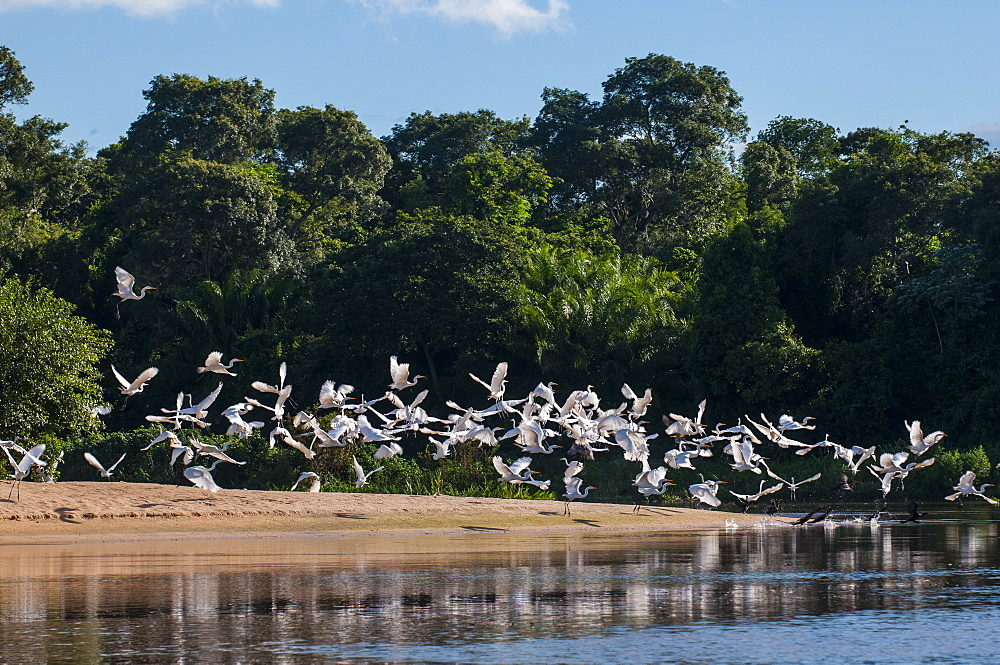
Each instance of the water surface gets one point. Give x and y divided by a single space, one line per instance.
895 593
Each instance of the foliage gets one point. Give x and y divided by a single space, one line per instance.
48 357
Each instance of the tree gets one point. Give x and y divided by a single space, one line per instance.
814 145
189 220
426 147
327 156
596 318
219 120
48 374
14 85
742 348
655 149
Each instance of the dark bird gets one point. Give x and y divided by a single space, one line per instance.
844 484
912 508
773 507
818 514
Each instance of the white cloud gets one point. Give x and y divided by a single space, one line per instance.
986 130
142 8
507 16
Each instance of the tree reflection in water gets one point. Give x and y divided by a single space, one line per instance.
239 600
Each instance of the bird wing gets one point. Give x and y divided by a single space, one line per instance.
499 374
214 358
143 378
519 465
209 400
93 462
121 379
400 372
112 467
480 382
126 282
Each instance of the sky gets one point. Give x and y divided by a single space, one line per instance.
847 63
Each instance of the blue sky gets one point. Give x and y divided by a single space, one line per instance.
850 64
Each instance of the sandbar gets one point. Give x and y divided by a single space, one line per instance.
119 511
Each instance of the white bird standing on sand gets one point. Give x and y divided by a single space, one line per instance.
213 363
920 444
497 385
573 492
22 468
360 473
314 486
400 373
129 388
105 473
966 488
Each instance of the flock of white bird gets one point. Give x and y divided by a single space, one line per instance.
539 423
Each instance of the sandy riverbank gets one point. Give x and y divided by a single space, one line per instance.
102 511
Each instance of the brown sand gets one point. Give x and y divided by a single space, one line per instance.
118 511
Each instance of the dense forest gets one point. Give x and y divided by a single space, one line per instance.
645 236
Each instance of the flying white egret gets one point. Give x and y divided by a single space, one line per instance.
129 388
313 486
639 404
202 477
387 450
920 444
792 484
748 500
400 373
516 472
966 488
213 363
705 492
650 481
126 288
360 473
290 441
260 386
332 396
105 473
786 423
497 384
209 450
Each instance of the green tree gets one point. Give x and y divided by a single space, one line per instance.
659 142
218 120
48 374
814 145
593 318
742 348
332 163
14 84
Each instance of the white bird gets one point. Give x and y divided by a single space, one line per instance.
260 386
751 498
290 441
786 422
650 481
22 468
126 287
129 388
387 450
744 457
966 488
209 450
400 373
639 404
237 426
202 477
213 363
920 444
360 473
706 492
314 486
497 384
573 492
105 473
792 484
442 449
516 472
676 458
332 396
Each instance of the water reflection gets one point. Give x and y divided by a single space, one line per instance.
462 596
